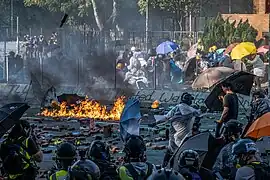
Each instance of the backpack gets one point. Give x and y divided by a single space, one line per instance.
190 175
14 160
262 171
135 174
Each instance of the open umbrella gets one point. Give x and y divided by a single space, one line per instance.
210 77
166 47
230 48
242 83
199 143
192 51
260 127
9 114
242 50
263 49
130 117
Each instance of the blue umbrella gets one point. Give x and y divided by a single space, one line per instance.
129 121
166 47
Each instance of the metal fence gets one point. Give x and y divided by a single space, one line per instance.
110 40
69 65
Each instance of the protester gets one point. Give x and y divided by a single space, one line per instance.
19 153
189 165
259 106
99 153
212 56
230 107
258 69
84 169
135 166
251 167
65 154
226 61
224 165
181 120
166 174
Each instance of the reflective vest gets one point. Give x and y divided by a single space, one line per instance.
59 175
25 160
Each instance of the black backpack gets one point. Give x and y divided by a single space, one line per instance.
14 160
262 171
135 174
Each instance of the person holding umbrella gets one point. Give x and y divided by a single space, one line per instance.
230 106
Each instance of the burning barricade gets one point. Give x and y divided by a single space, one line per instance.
86 108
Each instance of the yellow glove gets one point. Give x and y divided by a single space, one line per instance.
218 121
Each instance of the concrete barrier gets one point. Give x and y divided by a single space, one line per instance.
21 92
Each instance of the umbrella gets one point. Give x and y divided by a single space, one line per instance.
189 69
9 114
211 76
130 117
192 51
70 98
166 47
263 49
229 49
220 51
242 83
260 127
200 143
242 50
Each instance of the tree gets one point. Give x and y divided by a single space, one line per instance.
104 12
230 32
179 9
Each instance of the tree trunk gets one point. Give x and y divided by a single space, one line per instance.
99 22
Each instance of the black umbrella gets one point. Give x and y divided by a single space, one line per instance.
200 143
241 82
9 114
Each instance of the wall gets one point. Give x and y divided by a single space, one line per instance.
258 21
21 92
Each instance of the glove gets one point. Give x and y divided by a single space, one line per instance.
218 121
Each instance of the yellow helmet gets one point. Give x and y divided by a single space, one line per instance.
119 66
199 40
213 48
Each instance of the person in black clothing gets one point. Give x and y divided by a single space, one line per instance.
20 152
99 153
230 107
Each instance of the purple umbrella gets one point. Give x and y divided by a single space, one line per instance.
166 47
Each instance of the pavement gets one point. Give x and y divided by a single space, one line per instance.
50 131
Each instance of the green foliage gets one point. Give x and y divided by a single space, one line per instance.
222 33
175 7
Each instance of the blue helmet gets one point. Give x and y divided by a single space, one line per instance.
244 146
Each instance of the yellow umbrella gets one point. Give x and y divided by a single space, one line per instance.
242 50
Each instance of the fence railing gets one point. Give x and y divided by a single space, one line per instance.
70 67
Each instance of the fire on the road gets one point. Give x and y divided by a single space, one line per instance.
87 109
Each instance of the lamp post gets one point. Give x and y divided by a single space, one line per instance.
11 17
147 25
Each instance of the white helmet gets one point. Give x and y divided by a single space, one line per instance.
132 49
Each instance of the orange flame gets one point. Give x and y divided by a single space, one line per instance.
87 109
155 104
